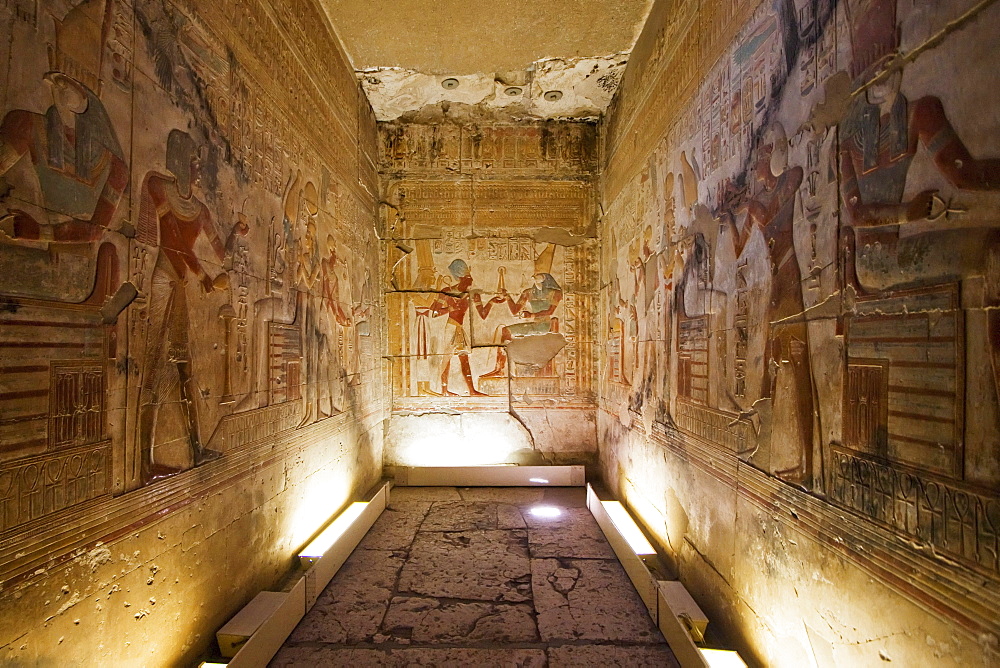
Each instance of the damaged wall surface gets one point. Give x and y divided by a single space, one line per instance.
491 288
800 283
189 316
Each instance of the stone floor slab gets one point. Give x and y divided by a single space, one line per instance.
589 599
396 527
515 495
472 565
410 656
574 533
429 620
460 516
352 606
611 656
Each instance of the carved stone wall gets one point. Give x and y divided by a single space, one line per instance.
799 334
491 288
190 321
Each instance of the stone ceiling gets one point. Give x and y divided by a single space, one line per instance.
517 59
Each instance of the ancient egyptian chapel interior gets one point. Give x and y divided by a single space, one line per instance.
739 257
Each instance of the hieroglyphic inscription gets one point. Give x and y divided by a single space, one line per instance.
252 426
693 358
76 404
958 521
285 362
36 487
716 427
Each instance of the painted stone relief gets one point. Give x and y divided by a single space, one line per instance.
182 270
804 271
490 289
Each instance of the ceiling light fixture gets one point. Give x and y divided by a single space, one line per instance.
450 83
553 95
514 91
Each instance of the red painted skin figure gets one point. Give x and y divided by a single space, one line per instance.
172 215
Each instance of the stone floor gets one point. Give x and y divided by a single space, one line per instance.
472 577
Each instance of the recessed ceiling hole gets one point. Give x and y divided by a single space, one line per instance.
450 84
553 95
513 90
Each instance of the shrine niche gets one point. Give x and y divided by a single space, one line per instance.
490 282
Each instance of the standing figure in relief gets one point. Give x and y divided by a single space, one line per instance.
787 378
454 301
172 218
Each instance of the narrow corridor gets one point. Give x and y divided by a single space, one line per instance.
480 576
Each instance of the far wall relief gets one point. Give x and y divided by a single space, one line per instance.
806 272
175 281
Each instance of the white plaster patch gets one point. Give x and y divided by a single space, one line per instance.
586 86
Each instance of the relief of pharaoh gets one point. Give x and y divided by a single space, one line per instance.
786 378
172 217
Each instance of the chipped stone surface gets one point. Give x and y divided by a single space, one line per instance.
474 597
416 656
460 516
477 565
588 599
658 656
429 620
575 533
586 85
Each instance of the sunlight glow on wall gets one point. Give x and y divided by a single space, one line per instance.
628 528
451 447
319 545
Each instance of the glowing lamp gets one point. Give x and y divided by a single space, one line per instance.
722 658
540 481
325 540
212 664
546 511
628 528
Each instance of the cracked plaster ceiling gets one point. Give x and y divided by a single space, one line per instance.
516 59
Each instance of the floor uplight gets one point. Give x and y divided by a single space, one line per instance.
546 511
722 658
319 545
628 528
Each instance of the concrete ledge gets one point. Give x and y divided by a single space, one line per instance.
267 639
490 476
255 634
652 594
322 570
